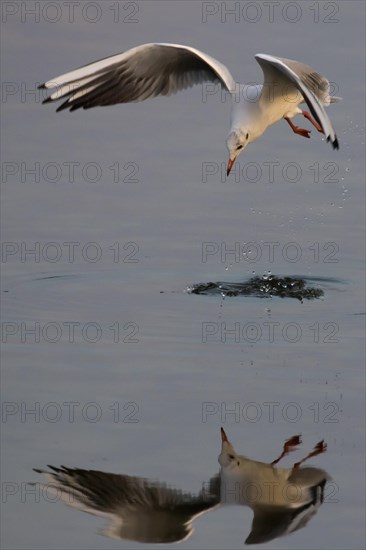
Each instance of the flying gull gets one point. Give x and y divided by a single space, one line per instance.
145 510
156 69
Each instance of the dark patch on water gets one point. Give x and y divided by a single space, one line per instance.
46 277
261 287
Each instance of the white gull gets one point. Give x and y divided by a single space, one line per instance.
150 70
145 510
283 499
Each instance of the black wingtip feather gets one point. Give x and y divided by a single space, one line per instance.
63 106
54 468
47 100
335 143
42 87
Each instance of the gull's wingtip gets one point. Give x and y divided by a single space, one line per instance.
62 107
266 56
335 142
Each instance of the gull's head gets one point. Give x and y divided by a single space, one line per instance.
228 457
236 142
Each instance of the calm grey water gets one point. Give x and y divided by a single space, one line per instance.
126 207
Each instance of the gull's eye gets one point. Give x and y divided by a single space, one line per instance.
246 137
239 147
231 457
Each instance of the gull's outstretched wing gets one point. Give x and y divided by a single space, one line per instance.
314 88
139 509
271 521
143 72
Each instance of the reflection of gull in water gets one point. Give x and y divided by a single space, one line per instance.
283 500
139 509
150 70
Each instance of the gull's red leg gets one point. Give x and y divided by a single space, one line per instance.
289 446
313 122
297 130
319 448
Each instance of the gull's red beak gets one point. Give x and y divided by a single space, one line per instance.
223 436
229 166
